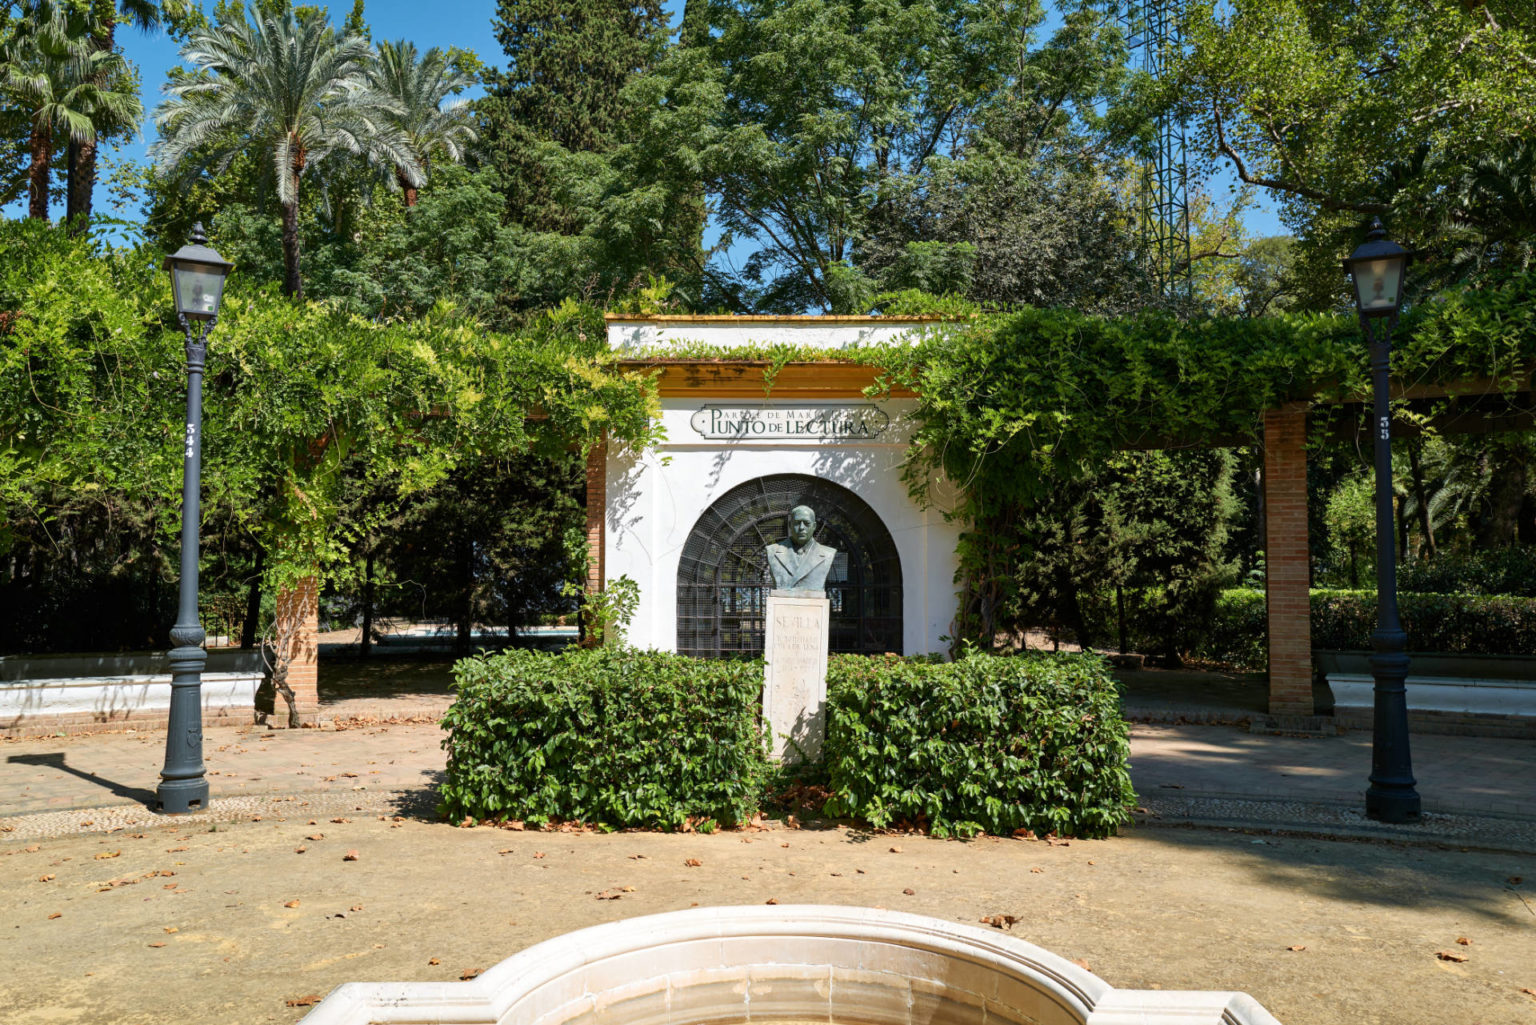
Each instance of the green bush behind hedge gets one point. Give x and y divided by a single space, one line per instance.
1468 624
983 744
613 736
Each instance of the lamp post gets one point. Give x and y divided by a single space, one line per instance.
197 281
1376 268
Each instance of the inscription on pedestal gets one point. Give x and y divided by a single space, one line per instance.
795 684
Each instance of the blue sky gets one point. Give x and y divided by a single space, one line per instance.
442 23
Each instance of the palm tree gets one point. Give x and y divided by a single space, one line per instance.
419 87
104 18
288 85
67 89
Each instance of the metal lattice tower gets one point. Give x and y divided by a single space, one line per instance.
1152 32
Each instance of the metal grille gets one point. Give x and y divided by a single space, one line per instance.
723 579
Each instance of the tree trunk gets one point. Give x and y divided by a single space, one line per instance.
253 603
293 286
37 176
1426 525
1499 525
1402 529
82 157
82 184
367 643
464 615
407 188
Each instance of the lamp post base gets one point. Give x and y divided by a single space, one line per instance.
1392 806
181 796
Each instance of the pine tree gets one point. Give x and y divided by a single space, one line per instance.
567 64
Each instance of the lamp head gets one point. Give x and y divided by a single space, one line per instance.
1376 267
197 277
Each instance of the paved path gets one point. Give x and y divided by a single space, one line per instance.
1476 791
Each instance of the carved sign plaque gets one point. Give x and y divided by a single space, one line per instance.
839 423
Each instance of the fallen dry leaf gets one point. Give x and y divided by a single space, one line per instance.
1081 964
341 820
1528 991
45 879
56 914
1463 941
690 862
291 904
514 824
300 850
771 900
506 850
895 850
174 850
1296 947
31 850
435 960
627 889
315 836
469 973
104 855
1038 871
1450 955
610 895
355 907
349 856
304 1001
158 943
538 854
792 823
172 928
910 892
999 921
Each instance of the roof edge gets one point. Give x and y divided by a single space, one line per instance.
768 318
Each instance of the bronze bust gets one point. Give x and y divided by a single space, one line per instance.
798 563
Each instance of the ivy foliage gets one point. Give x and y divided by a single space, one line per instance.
982 744
296 396
610 736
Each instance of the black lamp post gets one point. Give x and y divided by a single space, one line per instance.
1376 268
197 280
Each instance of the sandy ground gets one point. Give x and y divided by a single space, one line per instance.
231 923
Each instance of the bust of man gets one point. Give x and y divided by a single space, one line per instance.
798 563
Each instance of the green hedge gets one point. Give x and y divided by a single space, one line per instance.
611 736
983 744
1466 624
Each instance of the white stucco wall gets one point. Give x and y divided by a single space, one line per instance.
654 500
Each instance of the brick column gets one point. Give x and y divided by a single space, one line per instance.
298 617
1286 560
597 513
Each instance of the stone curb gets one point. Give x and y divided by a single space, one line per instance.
1335 821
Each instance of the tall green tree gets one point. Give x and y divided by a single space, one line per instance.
68 90
419 85
290 87
103 17
826 109
1347 109
568 62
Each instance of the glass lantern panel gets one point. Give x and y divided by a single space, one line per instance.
198 288
1376 284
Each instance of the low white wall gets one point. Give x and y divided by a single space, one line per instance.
787 963
654 501
115 697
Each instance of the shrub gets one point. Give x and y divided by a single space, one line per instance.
984 744
611 736
1467 624
1507 571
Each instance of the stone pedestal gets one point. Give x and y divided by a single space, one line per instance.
795 684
